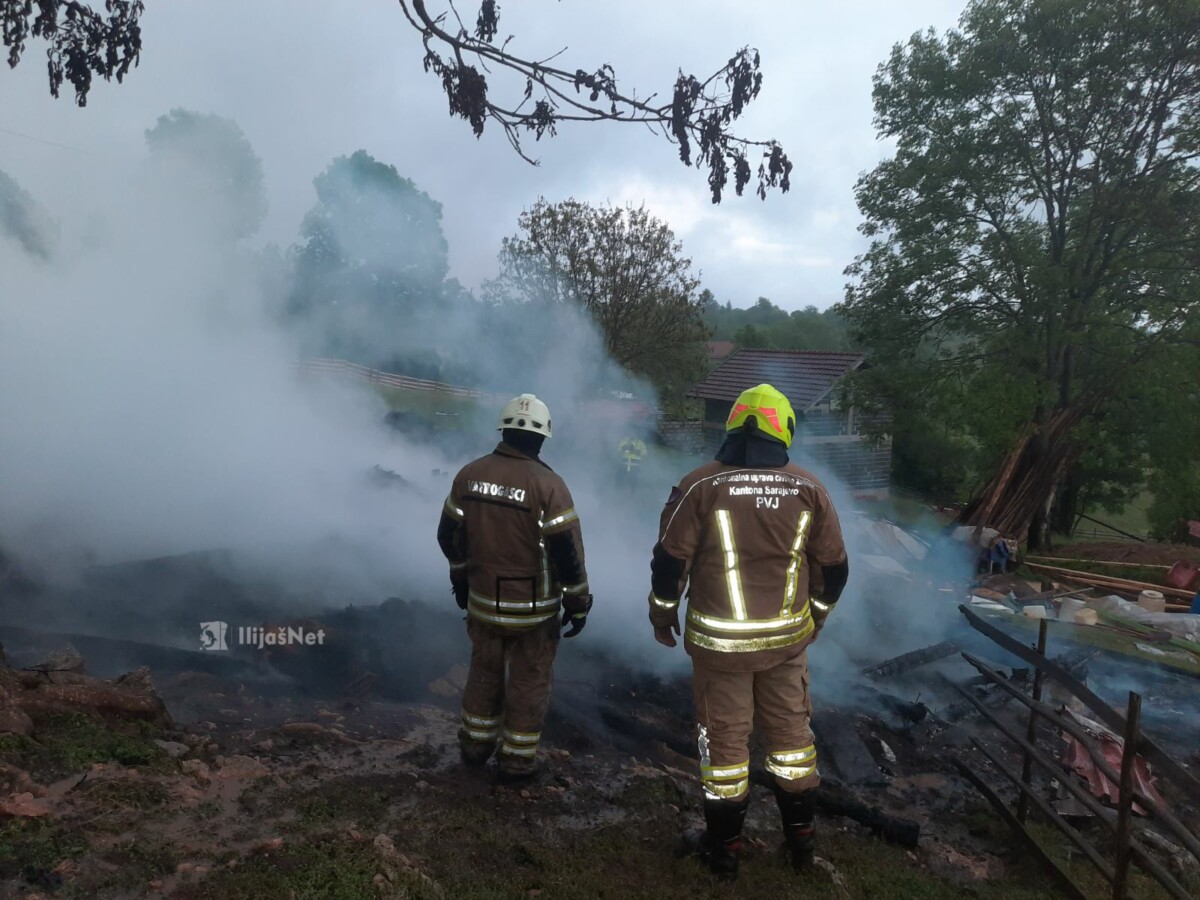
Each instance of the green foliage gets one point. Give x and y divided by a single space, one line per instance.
209 157
83 41
625 270
1032 236
698 117
765 325
370 271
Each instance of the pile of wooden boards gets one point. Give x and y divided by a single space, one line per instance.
1115 585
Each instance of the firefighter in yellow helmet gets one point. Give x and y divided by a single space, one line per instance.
633 450
757 541
511 534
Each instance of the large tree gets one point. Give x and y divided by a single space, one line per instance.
371 259
544 93
1036 227
626 270
22 219
209 157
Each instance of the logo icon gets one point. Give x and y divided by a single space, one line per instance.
212 636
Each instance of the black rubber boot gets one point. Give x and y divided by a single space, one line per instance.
475 753
798 812
721 841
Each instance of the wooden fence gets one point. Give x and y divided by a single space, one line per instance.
1129 846
388 379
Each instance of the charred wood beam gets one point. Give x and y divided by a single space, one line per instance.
906 662
1072 728
894 830
1049 812
910 711
1064 880
1166 764
835 801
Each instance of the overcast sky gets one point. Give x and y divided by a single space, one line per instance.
308 81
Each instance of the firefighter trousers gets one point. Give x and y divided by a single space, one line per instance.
508 687
729 705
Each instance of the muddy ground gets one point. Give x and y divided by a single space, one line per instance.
272 794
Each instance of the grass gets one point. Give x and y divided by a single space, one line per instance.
32 848
1133 518
326 868
67 743
429 403
365 801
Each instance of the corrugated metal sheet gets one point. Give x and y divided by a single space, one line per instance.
805 376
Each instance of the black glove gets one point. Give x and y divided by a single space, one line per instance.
459 584
575 620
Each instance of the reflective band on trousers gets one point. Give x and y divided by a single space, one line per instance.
516 743
792 765
743 645
793 569
725 782
481 721
732 576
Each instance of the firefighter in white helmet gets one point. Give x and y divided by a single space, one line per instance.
511 534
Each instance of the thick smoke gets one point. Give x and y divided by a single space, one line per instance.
153 406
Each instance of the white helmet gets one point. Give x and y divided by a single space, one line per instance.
526 413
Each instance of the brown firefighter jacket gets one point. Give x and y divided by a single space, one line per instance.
748 540
510 527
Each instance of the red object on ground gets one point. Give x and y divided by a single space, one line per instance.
1077 759
1183 575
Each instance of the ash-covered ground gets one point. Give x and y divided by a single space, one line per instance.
332 770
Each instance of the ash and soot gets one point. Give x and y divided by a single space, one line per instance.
232 664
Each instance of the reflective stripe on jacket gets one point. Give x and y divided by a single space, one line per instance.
518 538
749 537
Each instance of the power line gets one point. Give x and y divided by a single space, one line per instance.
37 140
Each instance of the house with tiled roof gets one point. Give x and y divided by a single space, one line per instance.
827 436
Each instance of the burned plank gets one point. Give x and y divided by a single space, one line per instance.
892 829
914 659
842 749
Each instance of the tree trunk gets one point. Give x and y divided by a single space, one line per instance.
1066 506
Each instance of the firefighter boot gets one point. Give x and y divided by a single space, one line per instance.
721 841
475 753
798 813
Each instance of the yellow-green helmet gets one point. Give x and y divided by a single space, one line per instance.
769 408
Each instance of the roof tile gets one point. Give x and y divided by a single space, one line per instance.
804 376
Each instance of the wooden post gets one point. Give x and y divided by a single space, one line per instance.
1125 797
1031 729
